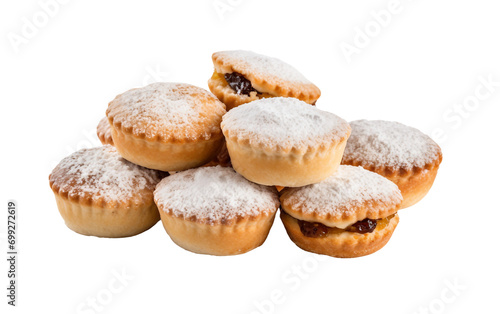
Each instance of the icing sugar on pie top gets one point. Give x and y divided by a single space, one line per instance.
214 195
391 145
285 123
101 175
248 62
167 112
350 195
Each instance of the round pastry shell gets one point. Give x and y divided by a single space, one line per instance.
345 244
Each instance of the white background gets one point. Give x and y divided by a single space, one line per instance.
417 69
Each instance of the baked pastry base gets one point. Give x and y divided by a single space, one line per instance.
221 159
414 186
345 244
388 156
217 239
285 169
166 156
105 222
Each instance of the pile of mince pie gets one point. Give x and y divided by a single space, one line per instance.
216 167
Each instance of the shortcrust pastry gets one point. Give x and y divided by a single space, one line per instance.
104 132
167 126
350 214
214 210
400 153
99 193
284 141
221 159
244 76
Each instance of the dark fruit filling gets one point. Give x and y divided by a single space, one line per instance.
363 226
317 230
239 83
313 229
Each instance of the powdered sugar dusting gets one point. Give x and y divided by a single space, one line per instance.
284 122
102 173
343 193
168 110
214 194
389 144
257 63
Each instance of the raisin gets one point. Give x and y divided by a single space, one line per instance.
313 229
363 226
239 83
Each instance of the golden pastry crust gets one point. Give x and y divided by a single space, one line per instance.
218 239
109 221
346 214
342 202
271 77
414 185
344 244
98 193
166 156
284 141
400 153
213 210
221 159
285 168
167 126
104 132
350 195
161 112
